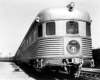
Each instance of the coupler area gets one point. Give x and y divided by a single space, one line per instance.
73 66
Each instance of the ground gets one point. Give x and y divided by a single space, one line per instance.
7 72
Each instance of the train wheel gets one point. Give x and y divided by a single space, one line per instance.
38 69
47 69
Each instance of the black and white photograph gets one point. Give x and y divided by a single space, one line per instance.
49 40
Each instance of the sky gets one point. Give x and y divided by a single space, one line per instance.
16 16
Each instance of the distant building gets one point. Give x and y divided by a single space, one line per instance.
96 56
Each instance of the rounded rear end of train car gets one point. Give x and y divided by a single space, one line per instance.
58 39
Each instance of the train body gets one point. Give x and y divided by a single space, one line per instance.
59 38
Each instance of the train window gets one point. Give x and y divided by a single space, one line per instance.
34 35
88 30
24 46
50 28
72 27
40 30
30 40
27 42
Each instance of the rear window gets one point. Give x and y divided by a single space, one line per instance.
88 30
72 27
50 28
40 30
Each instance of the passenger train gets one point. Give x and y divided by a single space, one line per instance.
59 39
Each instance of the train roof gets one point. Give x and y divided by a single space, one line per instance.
63 13
60 13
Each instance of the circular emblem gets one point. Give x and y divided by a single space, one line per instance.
73 47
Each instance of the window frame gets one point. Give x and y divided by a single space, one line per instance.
75 32
30 42
88 27
41 30
54 28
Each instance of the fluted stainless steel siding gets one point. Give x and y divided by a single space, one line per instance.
87 47
47 47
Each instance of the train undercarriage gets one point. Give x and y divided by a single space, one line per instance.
70 66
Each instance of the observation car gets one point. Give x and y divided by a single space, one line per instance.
58 39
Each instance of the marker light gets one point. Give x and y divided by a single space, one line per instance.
71 6
37 19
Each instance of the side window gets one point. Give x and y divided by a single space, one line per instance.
34 35
50 28
40 30
30 40
72 27
24 46
88 30
27 42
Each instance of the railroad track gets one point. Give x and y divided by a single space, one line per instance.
90 74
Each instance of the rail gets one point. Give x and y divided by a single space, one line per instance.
90 74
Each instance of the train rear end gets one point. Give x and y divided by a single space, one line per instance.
65 42
68 46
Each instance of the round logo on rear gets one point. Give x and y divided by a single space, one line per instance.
73 47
